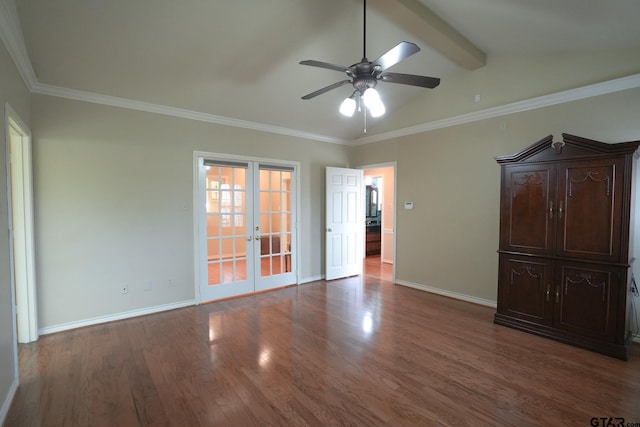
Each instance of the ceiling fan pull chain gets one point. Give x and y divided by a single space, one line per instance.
364 114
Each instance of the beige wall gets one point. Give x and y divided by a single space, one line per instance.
113 196
449 240
14 92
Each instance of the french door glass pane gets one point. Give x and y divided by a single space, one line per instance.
275 222
226 207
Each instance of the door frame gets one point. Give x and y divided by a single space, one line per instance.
196 207
24 300
393 165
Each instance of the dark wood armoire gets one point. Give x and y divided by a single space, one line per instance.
565 256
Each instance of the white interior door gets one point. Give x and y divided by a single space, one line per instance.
246 230
344 223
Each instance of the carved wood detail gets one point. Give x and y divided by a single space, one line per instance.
526 180
589 279
525 268
591 175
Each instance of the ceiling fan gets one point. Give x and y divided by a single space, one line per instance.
365 75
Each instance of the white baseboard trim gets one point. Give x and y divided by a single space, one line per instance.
311 279
112 317
4 410
454 295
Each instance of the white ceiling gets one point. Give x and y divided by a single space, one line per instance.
239 58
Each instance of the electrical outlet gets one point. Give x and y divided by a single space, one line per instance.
148 286
125 289
634 287
170 283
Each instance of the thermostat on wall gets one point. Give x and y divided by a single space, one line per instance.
408 205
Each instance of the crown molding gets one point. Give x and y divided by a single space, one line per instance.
11 35
113 101
597 89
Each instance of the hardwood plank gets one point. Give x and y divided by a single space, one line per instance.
357 351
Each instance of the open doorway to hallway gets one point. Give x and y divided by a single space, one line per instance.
380 214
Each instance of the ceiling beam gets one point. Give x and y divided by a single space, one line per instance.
419 20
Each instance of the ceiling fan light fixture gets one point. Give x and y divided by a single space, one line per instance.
373 102
365 75
377 109
348 107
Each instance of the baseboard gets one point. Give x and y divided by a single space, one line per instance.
113 317
636 339
4 410
455 295
311 279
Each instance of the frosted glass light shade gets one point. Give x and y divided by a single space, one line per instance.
348 107
373 102
370 95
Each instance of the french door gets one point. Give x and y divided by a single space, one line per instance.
246 233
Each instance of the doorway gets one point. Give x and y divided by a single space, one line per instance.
380 213
246 230
373 215
21 228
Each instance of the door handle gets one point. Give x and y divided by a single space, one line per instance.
329 230
560 210
249 238
257 237
548 289
550 210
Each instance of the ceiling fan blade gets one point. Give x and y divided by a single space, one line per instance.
320 64
326 89
402 51
410 79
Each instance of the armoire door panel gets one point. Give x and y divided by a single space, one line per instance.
528 216
584 298
526 294
590 200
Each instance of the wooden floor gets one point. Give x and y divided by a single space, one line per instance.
358 351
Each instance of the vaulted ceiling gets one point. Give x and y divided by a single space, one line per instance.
237 60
